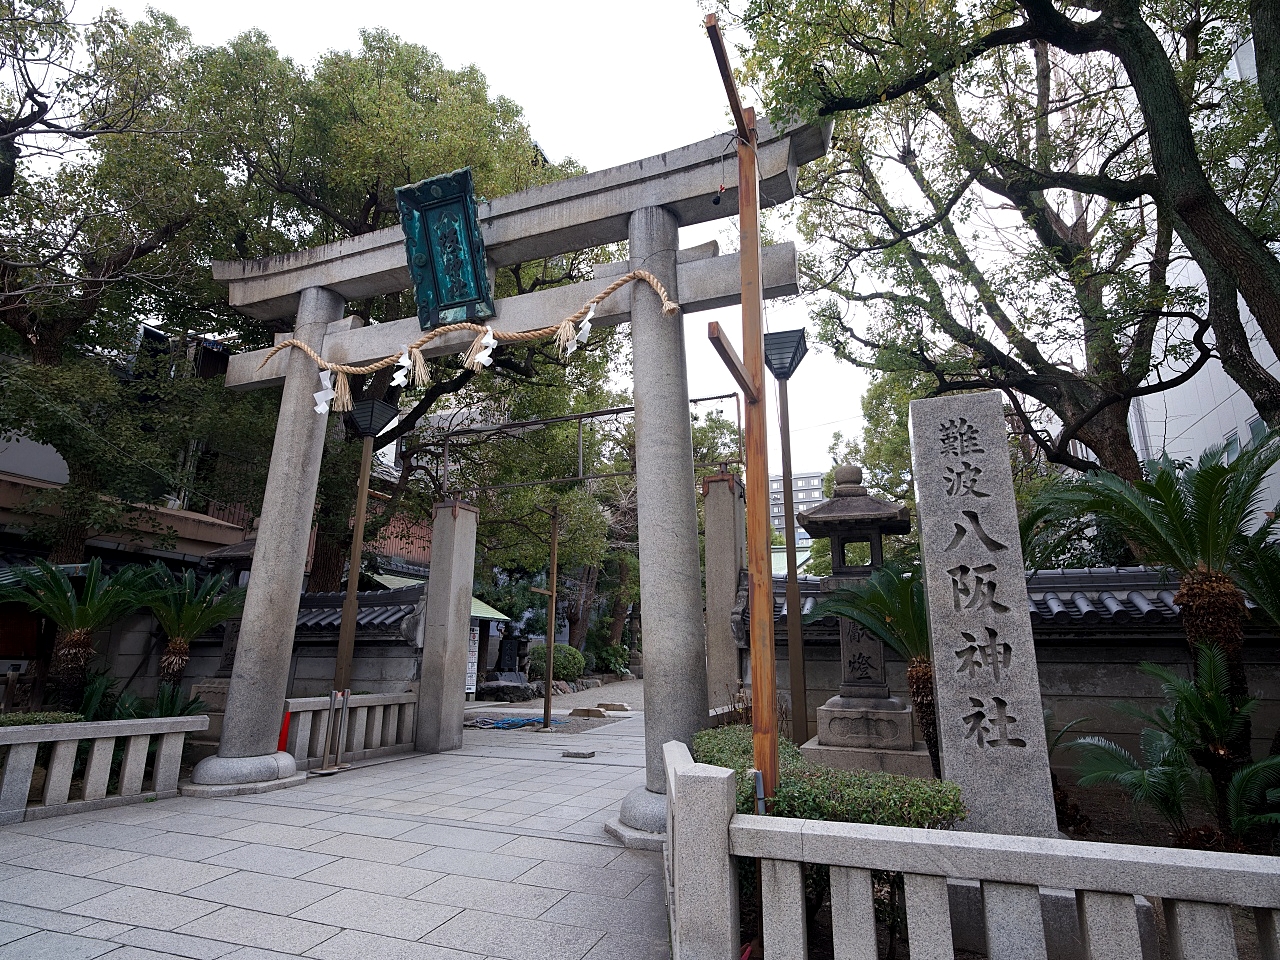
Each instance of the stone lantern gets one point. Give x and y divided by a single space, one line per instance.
863 727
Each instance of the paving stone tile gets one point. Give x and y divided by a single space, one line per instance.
543 824
385 878
496 817
77 859
413 808
48 945
279 835
162 873
369 848
445 835
52 891
376 913
366 826
42 919
15 846
252 929
494 896
13 931
472 863
200 824
259 891
527 807
134 813
290 816
564 851
638 917
116 836
638 861
253 953
137 953
182 846
357 943
103 930
277 861
617 946
513 938
576 878
653 889
144 908
176 944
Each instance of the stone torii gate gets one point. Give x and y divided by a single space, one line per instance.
643 202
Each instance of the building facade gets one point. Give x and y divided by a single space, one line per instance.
806 490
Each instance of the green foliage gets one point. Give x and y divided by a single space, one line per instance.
568 664
1187 518
100 601
1186 752
890 604
185 607
51 716
811 791
104 700
614 659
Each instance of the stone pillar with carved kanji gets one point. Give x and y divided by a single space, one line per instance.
864 726
991 736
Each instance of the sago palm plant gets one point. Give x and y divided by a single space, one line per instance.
890 604
185 608
1196 522
77 614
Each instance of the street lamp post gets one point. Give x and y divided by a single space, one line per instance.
371 418
783 352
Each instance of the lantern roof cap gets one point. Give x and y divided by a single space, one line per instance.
852 510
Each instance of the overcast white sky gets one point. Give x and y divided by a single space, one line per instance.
603 82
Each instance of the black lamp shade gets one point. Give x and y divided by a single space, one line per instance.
372 416
783 352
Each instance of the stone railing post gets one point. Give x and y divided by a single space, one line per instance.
705 875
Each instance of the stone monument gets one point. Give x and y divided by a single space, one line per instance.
863 726
990 725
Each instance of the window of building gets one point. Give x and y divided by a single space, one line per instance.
1232 442
775 485
1257 429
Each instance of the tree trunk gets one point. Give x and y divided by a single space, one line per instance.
328 563
578 613
174 660
1253 268
69 547
1264 16
618 613
1213 611
920 684
1107 435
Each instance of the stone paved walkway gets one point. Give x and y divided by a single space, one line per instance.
495 850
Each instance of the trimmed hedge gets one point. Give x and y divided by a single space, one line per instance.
809 791
29 719
569 663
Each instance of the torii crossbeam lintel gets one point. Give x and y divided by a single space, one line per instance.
544 221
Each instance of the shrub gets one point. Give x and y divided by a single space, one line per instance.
24 719
568 664
813 792
614 659
589 659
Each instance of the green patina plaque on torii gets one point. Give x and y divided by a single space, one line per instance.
445 250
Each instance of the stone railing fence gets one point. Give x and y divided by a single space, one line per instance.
104 781
378 724
1202 893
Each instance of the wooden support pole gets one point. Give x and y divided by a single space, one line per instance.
731 360
764 681
351 603
551 622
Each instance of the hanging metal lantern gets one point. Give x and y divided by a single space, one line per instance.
445 250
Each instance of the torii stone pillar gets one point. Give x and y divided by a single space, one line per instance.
247 752
675 666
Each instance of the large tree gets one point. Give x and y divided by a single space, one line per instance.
1117 134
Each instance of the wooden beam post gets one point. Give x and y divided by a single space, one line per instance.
731 360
